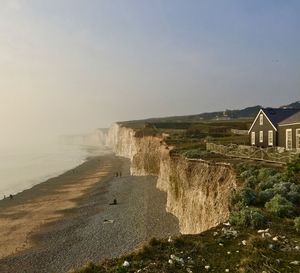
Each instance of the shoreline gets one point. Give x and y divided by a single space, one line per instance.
92 151
29 201
48 178
60 223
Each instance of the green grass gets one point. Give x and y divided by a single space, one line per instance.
189 138
216 250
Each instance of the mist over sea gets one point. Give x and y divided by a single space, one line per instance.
23 167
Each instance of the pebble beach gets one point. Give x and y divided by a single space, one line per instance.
67 221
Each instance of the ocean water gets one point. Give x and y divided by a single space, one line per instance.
21 169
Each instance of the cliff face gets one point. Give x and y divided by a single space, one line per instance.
198 192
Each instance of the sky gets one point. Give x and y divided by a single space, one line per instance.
70 66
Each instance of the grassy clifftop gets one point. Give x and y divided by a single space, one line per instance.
189 138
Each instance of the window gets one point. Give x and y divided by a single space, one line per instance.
261 136
298 138
270 138
261 119
288 135
252 138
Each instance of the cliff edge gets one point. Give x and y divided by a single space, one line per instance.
198 191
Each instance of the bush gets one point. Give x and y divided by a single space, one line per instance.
251 182
297 223
294 194
293 169
293 197
280 206
246 196
241 167
265 196
282 188
269 182
195 153
265 173
247 217
121 269
295 188
250 172
257 219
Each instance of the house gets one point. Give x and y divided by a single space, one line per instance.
276 127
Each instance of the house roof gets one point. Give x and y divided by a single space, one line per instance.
281 115
295 118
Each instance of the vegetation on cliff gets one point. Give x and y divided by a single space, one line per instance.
262 234
273 192
189 138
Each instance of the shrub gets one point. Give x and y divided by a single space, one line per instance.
247 196
293 197
241 167
280 206
195 153
250 172
247 217
269 182
251 182
293 169
282 188
239 218
235 198
265 196
121 269
265 173
257 219
295 188
297 223
294 194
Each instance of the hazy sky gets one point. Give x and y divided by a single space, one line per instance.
68 66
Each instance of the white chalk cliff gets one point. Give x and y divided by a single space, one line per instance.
198 192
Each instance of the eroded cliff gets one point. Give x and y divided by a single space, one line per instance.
198 192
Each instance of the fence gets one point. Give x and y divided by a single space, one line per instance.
239 132
272 154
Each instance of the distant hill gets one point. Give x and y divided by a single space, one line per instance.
294 105
246 113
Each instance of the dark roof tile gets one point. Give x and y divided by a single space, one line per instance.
279 115
292 119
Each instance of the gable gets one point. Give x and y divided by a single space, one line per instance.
256 119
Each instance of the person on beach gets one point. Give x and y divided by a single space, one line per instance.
114 202
11 197
117 174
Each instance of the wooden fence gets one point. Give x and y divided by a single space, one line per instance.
272 154
239 132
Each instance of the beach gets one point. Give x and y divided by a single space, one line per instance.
63 223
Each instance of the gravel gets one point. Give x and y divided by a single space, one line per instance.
82 235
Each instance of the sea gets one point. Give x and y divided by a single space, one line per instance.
22 168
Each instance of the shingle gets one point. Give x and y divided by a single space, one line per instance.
292 119
279 115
